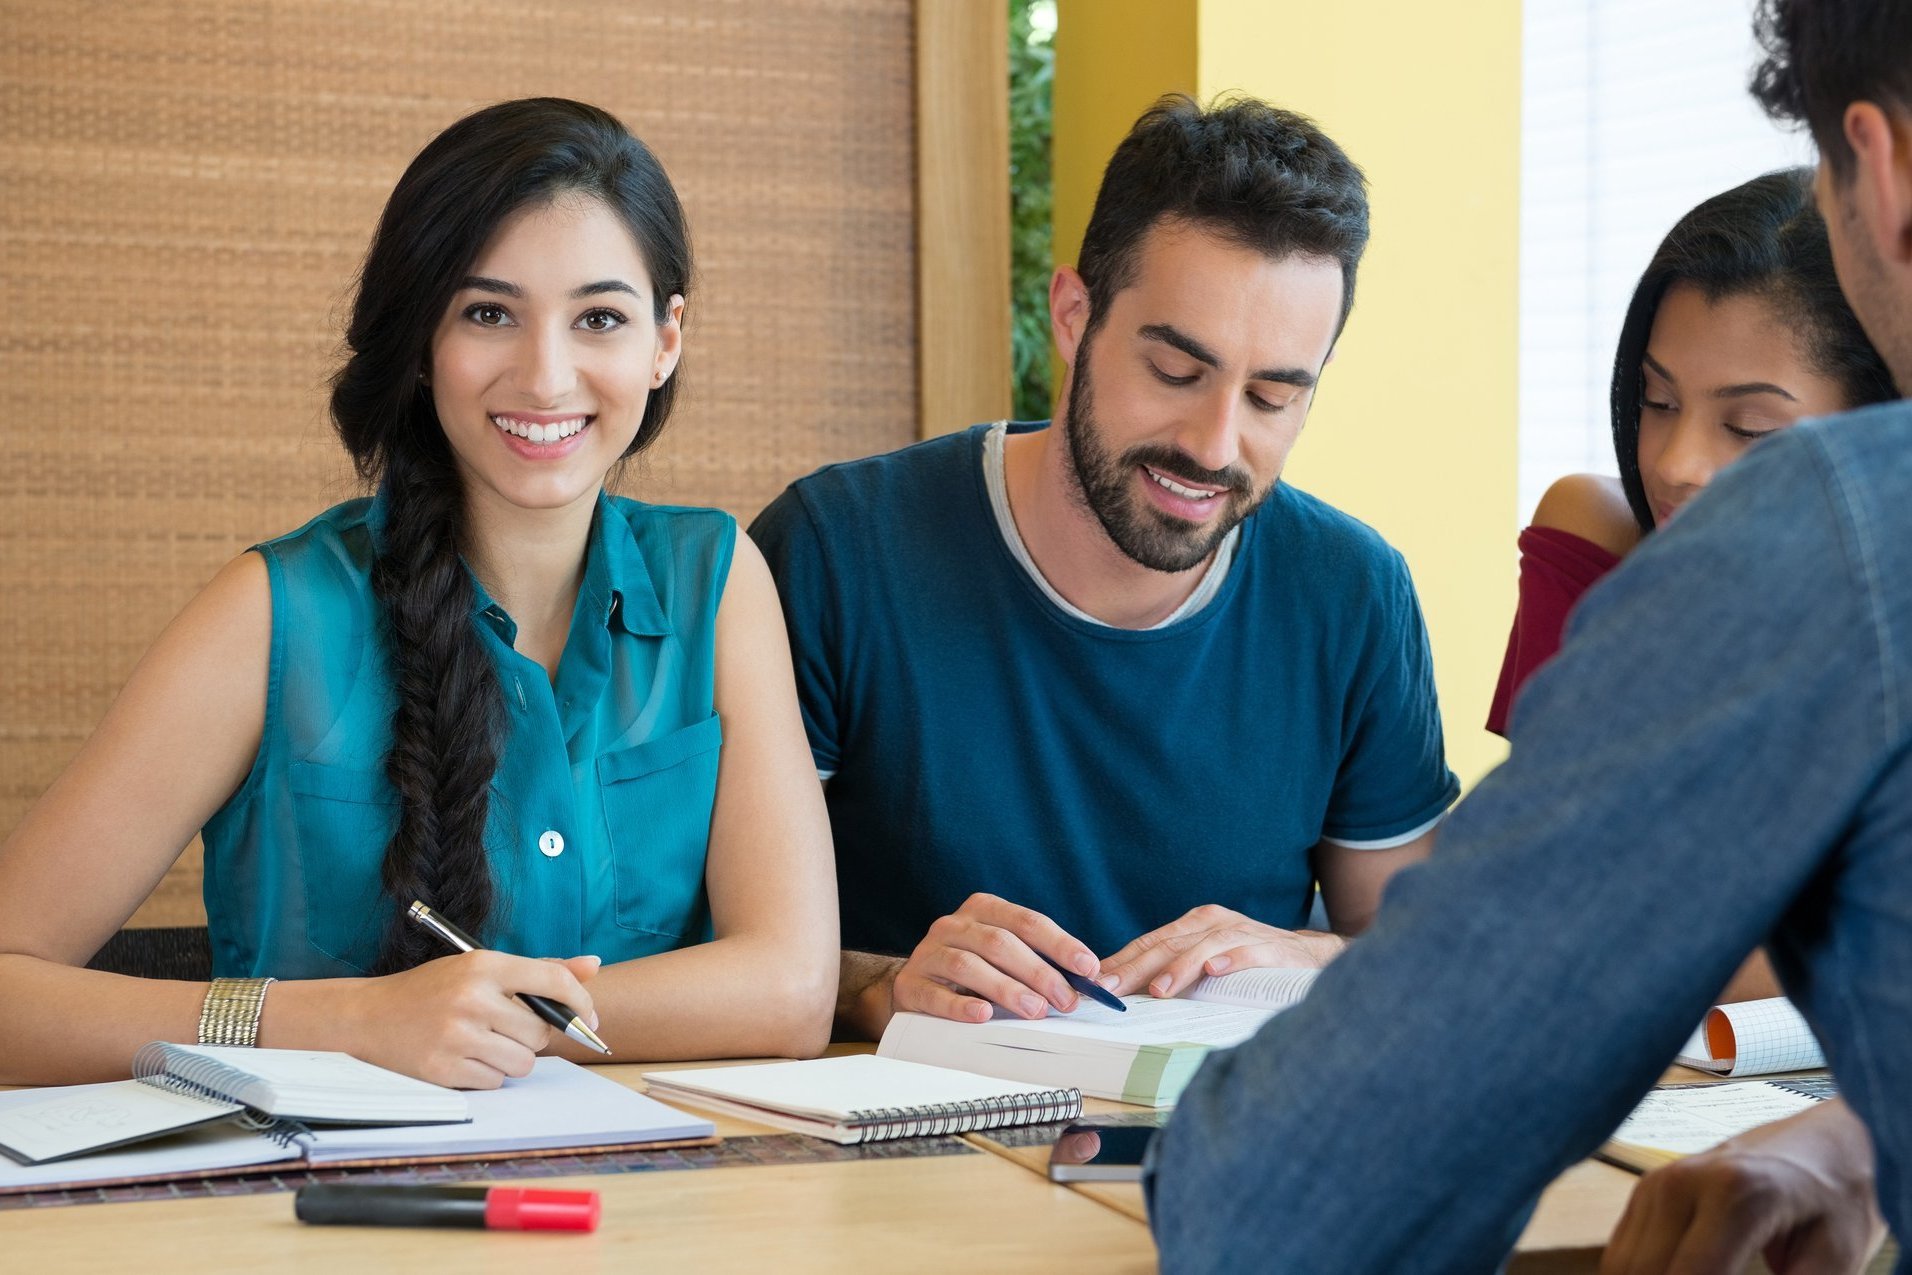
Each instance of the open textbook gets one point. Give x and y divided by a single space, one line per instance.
1145 1056
1753 1038
558 1106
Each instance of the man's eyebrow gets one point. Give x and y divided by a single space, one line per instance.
1752 387
484 283
1170 335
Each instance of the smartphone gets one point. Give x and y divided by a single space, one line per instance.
1100 1153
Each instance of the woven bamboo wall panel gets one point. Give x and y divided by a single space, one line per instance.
186 190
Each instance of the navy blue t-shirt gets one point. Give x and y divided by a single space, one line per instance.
981 738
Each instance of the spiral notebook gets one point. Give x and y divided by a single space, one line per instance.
559 1107
177 1087
1674 1121
864 1098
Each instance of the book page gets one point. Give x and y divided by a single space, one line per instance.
1257 989
1691 1119
1149 1021
38 1125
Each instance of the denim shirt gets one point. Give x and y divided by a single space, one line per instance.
1720 757
600 805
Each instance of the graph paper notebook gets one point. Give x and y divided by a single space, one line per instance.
1681 1120
558 1106
1753 1038
1145 1056
863 1098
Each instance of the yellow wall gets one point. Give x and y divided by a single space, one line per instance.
1414 427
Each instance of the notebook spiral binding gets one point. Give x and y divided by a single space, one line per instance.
202 1077
1818 1088
877 1123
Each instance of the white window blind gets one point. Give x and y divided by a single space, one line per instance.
1632 112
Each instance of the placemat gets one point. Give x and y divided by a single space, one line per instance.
1041 1135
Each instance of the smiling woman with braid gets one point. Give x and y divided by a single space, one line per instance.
565 720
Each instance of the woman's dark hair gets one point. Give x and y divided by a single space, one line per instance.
1824 55
1764 239
1257 176
448 204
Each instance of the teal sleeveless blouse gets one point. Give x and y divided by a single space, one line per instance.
600 807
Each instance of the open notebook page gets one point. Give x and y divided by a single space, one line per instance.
221 1145
1687 1120
50 1124
560 1104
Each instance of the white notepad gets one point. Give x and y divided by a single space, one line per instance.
864 1098
1753 1038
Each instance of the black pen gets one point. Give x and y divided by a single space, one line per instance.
1086 985
562 1017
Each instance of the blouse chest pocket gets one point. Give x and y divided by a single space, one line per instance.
657 800
343 820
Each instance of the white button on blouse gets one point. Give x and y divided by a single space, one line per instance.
551 844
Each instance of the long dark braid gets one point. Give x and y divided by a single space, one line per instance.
445 727
448 721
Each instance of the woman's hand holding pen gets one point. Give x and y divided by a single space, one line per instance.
457 1020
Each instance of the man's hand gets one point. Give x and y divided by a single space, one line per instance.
1211 939
986 953
1800 1191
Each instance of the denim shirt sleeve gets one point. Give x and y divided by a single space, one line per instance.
1722 706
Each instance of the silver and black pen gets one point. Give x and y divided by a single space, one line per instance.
562 1017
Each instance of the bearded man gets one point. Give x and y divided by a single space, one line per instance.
1106 691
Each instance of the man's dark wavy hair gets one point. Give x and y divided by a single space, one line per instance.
1824 55
1255 175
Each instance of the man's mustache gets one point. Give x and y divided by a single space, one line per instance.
1174 464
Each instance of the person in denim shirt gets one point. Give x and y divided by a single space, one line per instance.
1721 756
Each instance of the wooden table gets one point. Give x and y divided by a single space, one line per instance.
1566 1234
958 1213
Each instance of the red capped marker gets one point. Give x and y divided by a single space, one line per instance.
495 1208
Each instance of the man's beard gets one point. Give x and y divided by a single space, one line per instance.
1144 534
